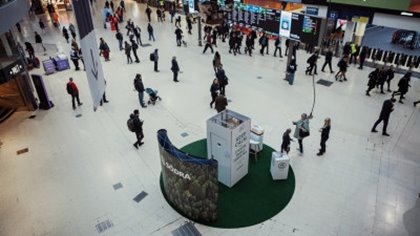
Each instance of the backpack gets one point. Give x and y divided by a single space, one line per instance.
152 56
69 90
130 125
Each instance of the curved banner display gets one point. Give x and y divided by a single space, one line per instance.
190 183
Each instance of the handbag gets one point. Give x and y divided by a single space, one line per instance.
303 133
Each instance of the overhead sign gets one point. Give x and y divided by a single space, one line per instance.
285 24
90 51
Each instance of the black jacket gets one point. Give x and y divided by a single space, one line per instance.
138 124
328 56
286 141
387 108
175 67
138 85
325 133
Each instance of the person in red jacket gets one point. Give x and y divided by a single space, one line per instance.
74 92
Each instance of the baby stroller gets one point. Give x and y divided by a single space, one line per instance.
152 96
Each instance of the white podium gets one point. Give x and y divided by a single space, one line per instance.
279 166
228 143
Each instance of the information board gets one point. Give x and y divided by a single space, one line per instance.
304 28
255 17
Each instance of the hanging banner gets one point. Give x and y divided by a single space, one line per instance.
90 51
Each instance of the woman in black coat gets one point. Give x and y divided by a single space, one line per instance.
325 134
214 88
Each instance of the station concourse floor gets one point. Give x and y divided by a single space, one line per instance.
365 184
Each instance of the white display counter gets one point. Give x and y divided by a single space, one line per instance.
279 166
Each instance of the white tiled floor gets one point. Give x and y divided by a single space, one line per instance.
365 184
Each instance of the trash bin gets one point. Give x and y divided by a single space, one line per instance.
279 166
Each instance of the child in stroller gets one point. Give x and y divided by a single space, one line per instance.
152 96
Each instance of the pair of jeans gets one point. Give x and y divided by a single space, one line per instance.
141 99
151 36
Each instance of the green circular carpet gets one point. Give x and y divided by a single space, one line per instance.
255 198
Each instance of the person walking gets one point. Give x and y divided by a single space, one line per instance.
362 57
74 57
74 92
214 88
381 79
403 86
103 49
66 34
175 69
389 76
312 64
341 74
134 47
263 43
122 5
148 12
208 39
277 44
232 43
220 103
285 144
302 130
72 30
328 60
42 26
222 79
120 39
178 33
178 22
325 134
38 41
127 48
373 80
30 49
387 108
248 45
159 15
150 31
189 23
137 33
138 85
217 61
136 126
291 69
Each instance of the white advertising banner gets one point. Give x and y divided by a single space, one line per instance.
240 151
285 24
89 45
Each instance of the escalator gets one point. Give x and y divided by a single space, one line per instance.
5 113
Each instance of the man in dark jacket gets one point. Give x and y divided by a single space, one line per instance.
403 86
220 103
74 57
138 128
178 33
156 60
38 40
150 31
222 78
277 44
134 47
138 85
328 59
175 69
120 38
373 80
312 64
148 12
362 57
264 44
387 108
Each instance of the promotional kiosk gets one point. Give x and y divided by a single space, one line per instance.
228 136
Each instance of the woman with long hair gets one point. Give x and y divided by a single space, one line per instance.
325 133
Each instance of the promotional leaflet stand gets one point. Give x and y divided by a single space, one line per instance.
257 134
228 142
279 165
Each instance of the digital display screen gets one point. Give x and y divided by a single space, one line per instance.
399 5
255 17
305 28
